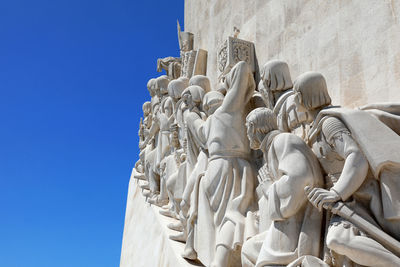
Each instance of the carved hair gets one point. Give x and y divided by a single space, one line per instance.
175 88
162 84
201 81
146 107
150 86
276 76
263 119
185 80
313 90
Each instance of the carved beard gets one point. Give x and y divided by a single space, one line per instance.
255 144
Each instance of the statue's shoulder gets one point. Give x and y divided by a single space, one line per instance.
288 139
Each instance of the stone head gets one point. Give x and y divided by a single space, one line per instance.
259 122
146 108
311 92
176 87
275 78
162 85
193 96
151 87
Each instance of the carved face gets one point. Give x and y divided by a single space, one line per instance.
157 91
299 102
187 99
251 135
146 110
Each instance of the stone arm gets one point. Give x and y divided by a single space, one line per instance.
241 87
355 167
155 127
286 195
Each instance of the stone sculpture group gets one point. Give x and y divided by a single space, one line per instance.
269 174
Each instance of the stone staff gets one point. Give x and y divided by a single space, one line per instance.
339 208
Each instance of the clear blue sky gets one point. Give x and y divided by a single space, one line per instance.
73 77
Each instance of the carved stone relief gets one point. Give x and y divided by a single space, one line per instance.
232 51
269 175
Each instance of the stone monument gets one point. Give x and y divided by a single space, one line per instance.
275 145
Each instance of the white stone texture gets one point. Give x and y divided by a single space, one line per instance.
353 43
145 240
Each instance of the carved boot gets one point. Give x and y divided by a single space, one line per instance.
189 252
181 237
146 193
139 176
177 226
145 185
167 207
157 201
168 213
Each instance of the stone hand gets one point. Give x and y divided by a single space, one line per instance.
319 196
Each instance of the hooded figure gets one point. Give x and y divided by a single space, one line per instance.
361 161
276 90
275 80
226 192
295 226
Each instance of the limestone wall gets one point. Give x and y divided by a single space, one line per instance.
354 43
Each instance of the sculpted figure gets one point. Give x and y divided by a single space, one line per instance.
176 88
360 159
149 144
275 80
171 65
227 188
164 119
295 224
202 81
192 98
189 205
144 127
276 88
191 103
159 91
170 171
